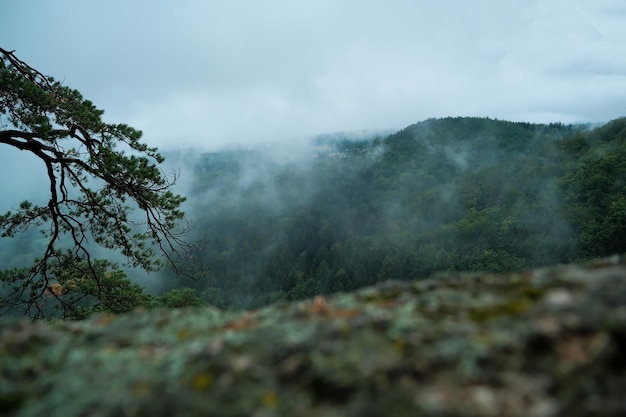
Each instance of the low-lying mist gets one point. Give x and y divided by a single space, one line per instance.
341 211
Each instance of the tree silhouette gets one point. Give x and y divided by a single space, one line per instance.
99 175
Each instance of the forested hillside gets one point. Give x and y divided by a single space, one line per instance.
346 211
440 195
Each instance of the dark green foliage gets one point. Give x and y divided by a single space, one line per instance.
441 195
98 173
79 289
180 297
111 291
594 189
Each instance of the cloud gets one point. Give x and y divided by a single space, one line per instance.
28 179
212 74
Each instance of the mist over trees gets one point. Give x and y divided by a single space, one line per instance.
284 223
440 195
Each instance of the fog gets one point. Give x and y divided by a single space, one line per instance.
419 197
235 94
252 183
219 73
25 179
342 210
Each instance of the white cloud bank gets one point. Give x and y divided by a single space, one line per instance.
215 73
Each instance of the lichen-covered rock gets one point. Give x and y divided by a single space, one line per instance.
549 342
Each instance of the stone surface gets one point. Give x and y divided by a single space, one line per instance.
548 342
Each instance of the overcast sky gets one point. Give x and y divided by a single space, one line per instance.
210 73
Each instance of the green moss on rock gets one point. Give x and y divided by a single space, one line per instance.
548 342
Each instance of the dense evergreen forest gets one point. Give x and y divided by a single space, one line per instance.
448 194
443 194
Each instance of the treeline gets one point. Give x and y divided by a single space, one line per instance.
443 194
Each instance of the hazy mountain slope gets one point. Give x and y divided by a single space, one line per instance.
289 221
443 194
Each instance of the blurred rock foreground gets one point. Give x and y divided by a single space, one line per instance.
548 342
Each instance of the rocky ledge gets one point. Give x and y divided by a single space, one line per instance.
547 342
